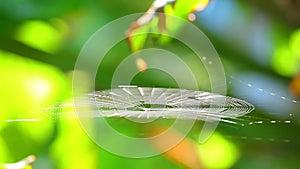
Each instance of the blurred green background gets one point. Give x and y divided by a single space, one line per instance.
258 42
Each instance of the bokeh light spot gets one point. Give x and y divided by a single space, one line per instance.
218 152
284 62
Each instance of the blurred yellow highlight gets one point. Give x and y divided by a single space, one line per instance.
39 87
201 5
218 152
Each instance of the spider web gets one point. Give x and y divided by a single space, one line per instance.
146 102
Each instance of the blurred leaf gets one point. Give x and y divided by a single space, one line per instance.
38 84
138 38
5 155
295 43
42 35
73 149
27 86
286 57
284 61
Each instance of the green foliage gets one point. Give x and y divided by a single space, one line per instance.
40 41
